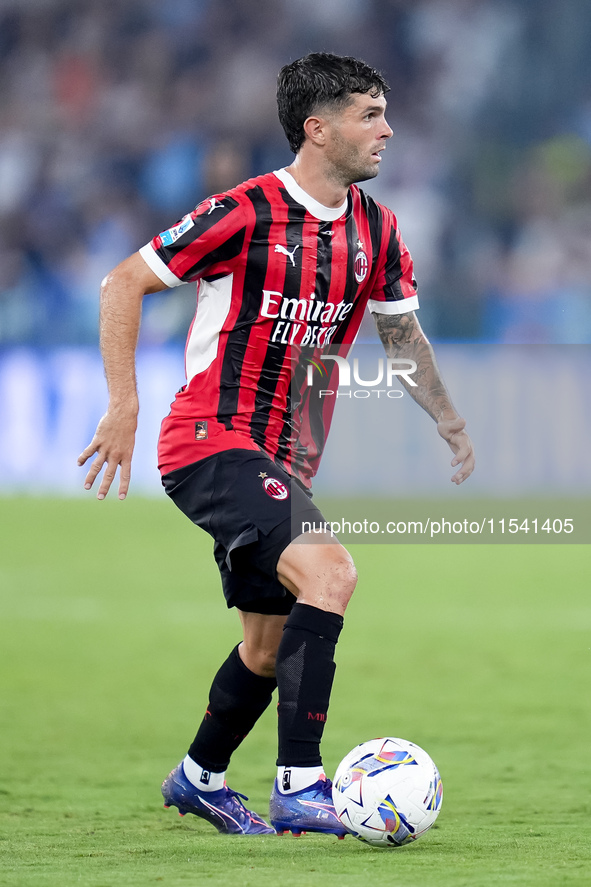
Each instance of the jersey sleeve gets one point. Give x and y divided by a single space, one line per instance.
210 235
395 290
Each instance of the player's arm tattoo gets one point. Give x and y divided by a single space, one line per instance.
402 337
396 330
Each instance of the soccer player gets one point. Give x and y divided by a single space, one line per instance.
285 266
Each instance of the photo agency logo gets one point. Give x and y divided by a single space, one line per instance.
388 373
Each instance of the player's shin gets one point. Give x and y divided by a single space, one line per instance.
305 670
237 699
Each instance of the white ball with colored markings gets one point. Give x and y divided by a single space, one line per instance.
387 792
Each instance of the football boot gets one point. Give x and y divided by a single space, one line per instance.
223 808
309 810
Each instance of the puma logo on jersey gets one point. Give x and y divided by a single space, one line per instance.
213 204
279 248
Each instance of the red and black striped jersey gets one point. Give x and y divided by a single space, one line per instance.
281 280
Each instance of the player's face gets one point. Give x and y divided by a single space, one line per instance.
356 137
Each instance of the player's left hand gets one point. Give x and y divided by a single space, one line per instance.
452 430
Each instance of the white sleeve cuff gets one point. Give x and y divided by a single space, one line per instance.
159 268
400 306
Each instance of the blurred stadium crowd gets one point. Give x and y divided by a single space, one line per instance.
118 117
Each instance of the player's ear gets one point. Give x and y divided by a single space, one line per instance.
315 129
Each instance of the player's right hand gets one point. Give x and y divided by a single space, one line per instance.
113 443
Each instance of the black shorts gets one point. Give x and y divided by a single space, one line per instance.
253 509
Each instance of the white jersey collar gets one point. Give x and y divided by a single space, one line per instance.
318 210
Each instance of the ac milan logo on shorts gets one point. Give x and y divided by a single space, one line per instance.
275 489
361 266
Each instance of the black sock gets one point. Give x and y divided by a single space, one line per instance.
237 699
305 671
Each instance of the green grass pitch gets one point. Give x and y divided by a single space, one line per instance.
113 626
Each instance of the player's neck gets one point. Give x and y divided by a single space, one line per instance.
312 178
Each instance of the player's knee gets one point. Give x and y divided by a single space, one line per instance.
346 577
261 661
339 583
323 576
267 664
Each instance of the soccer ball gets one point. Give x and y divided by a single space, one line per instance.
387 792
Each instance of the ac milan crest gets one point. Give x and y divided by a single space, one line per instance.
275 488
361 266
